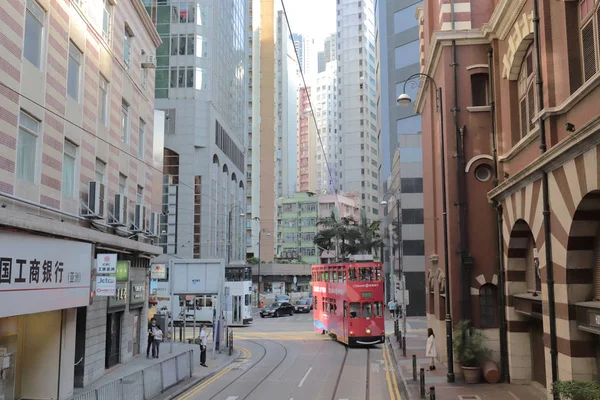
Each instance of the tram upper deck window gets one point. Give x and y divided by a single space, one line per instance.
354 310
335 276
352 274
247 274
365 274
367 310
378 273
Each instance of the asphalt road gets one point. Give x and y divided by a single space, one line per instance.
284 359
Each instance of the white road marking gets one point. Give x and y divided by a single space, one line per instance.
232 398
375 367
305 376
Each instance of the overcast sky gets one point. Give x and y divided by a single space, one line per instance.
315 18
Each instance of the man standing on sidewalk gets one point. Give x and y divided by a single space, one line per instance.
150 336
203 346
391 307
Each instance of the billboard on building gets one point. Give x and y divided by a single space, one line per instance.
197 276
39 274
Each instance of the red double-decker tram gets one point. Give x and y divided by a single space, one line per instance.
348 302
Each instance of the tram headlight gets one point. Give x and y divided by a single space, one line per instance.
368 331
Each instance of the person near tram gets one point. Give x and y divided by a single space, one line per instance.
203 346
391 307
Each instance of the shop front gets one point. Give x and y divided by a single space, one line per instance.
42 282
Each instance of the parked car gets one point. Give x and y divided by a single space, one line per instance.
303 305
282 298
277 310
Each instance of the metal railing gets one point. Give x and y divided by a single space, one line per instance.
145 384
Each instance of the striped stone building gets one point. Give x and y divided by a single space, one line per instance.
540 145
78 178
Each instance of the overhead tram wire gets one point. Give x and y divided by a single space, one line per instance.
312 111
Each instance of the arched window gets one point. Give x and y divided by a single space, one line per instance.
526 94
487 306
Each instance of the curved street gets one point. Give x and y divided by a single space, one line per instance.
284 359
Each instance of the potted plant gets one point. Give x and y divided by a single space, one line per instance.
469 350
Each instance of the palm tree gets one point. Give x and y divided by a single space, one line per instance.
338 233
369 235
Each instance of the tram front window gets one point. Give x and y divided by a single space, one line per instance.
378 309
367 310
354 310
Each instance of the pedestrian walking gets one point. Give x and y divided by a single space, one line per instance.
150 336
158 337
203 346
391 306
430 350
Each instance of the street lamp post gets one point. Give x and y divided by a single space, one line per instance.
400 266
404 99
260 231
242 214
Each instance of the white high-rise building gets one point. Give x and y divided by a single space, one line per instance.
202 85
357 103
325 99
307 56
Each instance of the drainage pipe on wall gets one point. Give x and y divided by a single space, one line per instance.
504 372
545 198
465 273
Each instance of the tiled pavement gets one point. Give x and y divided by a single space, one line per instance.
415 344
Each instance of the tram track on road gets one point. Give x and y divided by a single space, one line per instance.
336 395
339 377
252 366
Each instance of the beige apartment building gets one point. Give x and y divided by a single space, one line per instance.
80 164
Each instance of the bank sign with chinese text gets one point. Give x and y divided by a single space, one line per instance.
39 274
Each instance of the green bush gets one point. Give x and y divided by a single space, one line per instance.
576 390
469 345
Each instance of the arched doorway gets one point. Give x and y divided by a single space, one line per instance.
582 277
525 328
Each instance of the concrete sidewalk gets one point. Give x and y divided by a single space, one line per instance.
200 374
416 340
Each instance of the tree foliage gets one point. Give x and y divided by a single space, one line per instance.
576 390
344 235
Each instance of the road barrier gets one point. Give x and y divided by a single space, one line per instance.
145 384
422 382
230 342
414 360
432 393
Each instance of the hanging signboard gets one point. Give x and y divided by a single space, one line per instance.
137 293
106 286
158 272
123 271
106 264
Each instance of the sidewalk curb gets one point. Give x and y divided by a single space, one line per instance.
195 382
404 389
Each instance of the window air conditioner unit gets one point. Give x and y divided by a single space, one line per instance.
139 218
154 227
95 204
149 61
120 211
